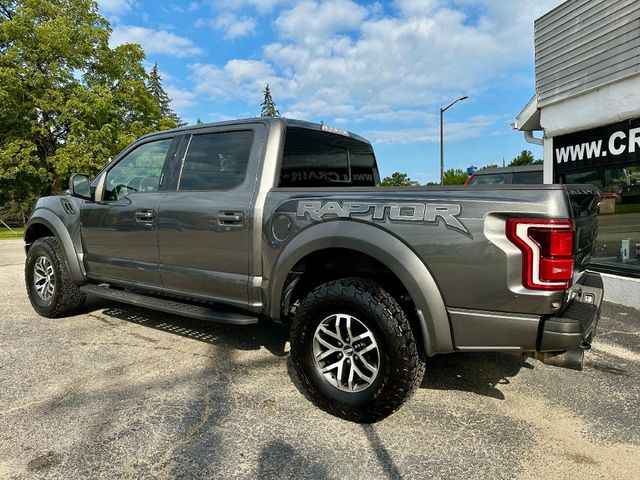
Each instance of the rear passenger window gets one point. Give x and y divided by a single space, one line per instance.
216 161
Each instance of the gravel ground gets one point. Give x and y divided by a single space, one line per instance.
120 392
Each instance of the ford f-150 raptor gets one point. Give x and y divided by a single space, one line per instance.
285 220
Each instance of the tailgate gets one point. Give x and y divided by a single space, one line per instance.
584 201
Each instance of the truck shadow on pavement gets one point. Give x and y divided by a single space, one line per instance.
198 407
479 373
278 459
266 334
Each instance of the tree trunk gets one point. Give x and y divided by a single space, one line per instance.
48 151
56 185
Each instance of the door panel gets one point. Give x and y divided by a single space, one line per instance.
204 228
118 244
198 253
119 229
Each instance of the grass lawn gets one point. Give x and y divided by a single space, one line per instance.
6 234
625 208
628 208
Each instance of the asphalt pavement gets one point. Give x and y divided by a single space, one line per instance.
121 392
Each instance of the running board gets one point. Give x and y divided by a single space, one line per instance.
169 306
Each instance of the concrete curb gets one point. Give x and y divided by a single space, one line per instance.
621 290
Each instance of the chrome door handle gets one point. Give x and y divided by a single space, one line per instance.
145 215
230 219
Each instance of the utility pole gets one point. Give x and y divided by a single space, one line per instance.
442 110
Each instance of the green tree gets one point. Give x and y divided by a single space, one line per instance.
198 121
491 165
396 179
268 106
455 177
525 158
154 85
68 101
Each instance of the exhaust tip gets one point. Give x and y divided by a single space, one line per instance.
571 359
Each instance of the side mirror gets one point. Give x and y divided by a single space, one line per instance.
80 186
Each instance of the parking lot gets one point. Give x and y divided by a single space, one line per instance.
120 392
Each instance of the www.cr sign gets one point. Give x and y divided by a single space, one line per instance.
605 146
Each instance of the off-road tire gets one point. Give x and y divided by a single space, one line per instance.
401 366
66 297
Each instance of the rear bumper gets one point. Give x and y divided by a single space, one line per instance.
482 331
577 323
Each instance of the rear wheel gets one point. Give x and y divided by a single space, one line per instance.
49 285
354 351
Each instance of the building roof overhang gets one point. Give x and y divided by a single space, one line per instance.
528 119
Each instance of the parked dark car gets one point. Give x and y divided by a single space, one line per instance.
529 174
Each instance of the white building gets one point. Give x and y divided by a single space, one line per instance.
586 114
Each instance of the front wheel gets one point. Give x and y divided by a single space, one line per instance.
51 290
354 351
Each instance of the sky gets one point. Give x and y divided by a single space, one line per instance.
379 69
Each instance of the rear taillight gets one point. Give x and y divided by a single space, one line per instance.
547 251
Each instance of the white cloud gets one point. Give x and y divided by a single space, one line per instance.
180 98
154 41
231 25
261 6
115 6
182 8
238 78
219 117
310 20
410 8
454 131
337 60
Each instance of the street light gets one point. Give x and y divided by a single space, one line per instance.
442 110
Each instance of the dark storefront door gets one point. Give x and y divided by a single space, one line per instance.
608 157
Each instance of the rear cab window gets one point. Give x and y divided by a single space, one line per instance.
314 158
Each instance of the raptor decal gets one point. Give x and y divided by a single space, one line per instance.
429 213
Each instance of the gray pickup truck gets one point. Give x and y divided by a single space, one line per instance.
285 220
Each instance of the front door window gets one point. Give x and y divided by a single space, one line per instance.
139 171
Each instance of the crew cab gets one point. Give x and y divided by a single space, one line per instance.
282 220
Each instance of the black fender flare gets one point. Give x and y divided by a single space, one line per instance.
50 220
386 248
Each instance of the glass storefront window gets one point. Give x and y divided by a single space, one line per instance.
618 242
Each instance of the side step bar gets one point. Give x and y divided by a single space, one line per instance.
169 306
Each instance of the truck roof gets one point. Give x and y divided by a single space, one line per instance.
286 122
